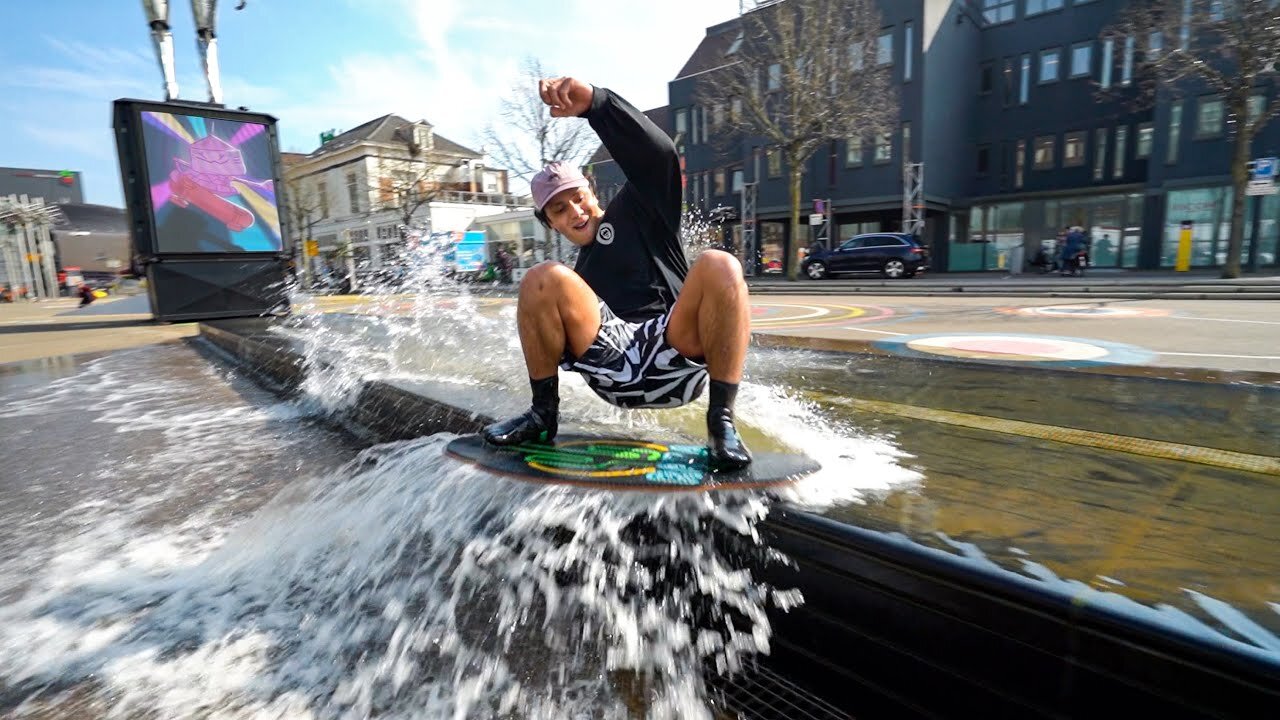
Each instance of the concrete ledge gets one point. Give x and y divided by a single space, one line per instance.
891 628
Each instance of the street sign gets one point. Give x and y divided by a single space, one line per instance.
313 248
1264 169
1265 187
815 219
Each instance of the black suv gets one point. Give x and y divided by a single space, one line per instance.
894 255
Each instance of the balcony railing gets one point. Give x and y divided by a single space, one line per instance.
460 196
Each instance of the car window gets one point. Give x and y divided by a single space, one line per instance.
851 243
882 241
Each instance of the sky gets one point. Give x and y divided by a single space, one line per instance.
321 64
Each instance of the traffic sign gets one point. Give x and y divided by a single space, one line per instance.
1264 169
313 248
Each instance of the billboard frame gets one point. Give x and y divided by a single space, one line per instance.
136 180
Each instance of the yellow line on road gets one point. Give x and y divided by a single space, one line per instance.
1229 459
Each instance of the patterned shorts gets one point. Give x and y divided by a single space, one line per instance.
631 365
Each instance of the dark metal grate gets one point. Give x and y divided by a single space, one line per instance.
758 693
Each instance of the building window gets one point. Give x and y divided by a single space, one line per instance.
1257 104
1035 7
774 161
997 11
1019 162
985 79
908 46
735 110
1073 149
858 55
906 142
1024 89
853 152
1146 137
1049 61
884 49
984 159
1081 59
322 196
1122 138
1126 65
1108 61
1099 153
884 148
682 122
717 115
775 77
1155 44
353 192
1209 117
1044 152
1184 32
1175 132
719 180
737 180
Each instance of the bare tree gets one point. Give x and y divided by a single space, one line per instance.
305 207
529 138
1229 47
804 73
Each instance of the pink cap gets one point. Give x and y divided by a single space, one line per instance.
554 178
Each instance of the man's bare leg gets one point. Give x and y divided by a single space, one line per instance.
557 311
712 320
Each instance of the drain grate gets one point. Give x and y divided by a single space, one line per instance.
758 693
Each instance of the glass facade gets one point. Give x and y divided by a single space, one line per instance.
1113 224
1208 210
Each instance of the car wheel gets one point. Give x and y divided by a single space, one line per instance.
816 270
894 269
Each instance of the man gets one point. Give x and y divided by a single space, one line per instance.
642 327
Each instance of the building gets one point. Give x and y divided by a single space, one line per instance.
94 238
527 240
999 101
56 187
362 190
605 175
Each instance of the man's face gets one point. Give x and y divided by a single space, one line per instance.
574 213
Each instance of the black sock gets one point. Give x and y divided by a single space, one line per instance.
723 394
546 396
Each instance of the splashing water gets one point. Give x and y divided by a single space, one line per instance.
401 583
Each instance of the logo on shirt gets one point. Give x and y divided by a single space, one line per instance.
604 235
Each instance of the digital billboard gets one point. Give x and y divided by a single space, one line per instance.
211 184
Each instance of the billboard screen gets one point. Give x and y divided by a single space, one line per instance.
211 184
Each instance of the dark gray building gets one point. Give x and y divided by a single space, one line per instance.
999 101
55 186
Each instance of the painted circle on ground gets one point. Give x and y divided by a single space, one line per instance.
1038 350
1085 311
778 315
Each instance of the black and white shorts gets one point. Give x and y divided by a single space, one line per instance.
631 365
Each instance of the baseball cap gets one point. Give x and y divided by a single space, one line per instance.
555 178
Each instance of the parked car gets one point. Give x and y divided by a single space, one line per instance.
893 255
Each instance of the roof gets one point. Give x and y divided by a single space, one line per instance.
80 217
710 52
386 129
661 116
292 158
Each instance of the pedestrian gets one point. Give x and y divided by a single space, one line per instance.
641 326
86 295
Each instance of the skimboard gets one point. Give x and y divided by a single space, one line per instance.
618 463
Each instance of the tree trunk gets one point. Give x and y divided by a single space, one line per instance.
1239 178
793 259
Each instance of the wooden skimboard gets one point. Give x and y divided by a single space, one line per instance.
635 464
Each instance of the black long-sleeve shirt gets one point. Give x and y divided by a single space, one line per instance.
636 263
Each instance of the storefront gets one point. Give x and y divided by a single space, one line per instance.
1112 222
1208 210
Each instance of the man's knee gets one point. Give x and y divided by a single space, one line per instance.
723 267
546 279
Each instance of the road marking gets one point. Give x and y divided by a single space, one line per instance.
878 332
1255 322
1243 357
1228 459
